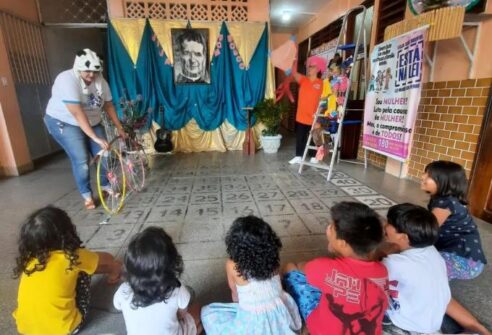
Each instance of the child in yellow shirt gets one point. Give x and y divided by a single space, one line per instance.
327 106
327 94
54 270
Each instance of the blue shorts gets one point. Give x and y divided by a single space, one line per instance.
306 296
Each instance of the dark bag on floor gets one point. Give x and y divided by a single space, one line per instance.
163 142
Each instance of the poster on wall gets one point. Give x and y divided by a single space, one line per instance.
191 57
393 95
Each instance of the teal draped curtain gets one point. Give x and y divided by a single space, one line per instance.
232 86
246 87
127 80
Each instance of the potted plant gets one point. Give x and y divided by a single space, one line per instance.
270 113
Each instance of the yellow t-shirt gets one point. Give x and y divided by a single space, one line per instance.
326 89
330 98
46 299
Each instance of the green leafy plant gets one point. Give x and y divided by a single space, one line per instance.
270 113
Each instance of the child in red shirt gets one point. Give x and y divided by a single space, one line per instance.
344 293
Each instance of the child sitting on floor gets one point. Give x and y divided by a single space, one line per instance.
153 300
54 270
459 241
343 293
260 306
419 287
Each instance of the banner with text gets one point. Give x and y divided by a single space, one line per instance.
393 95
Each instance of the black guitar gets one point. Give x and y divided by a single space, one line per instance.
163 142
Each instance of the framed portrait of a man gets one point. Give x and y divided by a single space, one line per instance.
191 57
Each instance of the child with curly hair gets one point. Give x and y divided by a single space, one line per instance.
260 306
153 300
459 240
344 293
54 270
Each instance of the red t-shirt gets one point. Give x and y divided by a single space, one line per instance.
307 105
353 299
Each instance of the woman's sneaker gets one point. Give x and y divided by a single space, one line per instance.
295 160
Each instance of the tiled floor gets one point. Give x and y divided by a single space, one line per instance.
195 198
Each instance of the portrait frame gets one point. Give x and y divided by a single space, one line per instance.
191 63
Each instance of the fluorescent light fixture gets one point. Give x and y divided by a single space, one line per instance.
286 16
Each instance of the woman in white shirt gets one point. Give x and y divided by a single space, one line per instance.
73 116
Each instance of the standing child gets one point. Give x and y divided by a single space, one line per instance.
260 306
153 300
344 293
419 287
459 240
54 270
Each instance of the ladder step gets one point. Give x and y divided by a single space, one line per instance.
350 46
315 147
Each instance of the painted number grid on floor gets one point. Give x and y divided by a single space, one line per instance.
197 202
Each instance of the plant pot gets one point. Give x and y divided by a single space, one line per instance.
270 144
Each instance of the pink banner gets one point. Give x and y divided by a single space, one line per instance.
393 95
396 148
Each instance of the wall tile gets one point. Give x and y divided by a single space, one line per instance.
458 92
473 92
484 82
464 101
453 84
468 83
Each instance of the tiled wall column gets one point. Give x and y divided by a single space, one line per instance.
448 123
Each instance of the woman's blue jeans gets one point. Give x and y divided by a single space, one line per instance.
79 148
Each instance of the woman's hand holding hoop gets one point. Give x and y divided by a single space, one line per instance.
102 143
122 134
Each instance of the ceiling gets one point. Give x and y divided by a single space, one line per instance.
301 13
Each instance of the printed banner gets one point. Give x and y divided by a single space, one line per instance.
393 95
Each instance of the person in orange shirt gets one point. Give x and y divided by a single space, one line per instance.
309 93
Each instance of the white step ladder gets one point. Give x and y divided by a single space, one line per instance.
335 150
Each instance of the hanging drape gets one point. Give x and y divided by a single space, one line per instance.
203 116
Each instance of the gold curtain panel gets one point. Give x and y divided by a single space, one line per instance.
193 139
246 36
130 32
